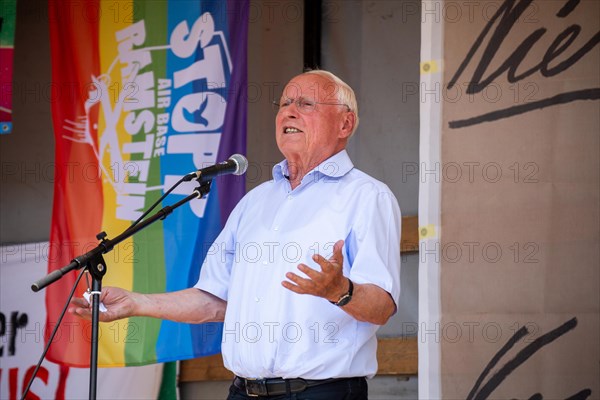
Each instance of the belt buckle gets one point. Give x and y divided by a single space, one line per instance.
256 387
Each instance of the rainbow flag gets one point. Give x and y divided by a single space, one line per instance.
144 92
8 13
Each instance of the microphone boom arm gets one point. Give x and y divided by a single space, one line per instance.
107 245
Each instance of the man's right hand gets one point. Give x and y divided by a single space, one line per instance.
189 305
120 303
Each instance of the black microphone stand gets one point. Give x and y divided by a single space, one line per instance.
94 262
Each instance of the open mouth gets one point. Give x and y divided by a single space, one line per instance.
291 130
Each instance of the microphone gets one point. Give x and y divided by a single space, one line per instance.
236 165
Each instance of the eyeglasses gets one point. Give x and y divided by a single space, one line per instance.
304 105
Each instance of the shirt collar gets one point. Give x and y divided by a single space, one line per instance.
335 166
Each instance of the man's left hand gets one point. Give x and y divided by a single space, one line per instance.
328 283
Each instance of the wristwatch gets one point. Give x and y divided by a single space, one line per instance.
345 299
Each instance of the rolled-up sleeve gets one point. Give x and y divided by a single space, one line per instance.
215 273
373 246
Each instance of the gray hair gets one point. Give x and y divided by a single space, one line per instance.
345 94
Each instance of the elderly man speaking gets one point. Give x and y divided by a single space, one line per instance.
325 273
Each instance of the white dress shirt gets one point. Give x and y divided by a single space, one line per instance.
270 331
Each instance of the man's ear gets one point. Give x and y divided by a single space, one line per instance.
348 122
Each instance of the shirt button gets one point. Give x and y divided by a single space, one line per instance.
289 197
276 228
265 262
256 299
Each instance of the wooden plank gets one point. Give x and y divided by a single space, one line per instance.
396 356
410 234
204 369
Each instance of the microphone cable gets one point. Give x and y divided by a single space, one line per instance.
51 338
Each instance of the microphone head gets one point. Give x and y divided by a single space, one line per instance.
241 162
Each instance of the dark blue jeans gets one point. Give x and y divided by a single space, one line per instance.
347 389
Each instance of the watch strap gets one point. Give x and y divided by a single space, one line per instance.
345 299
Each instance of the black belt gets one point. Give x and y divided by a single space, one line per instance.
277 386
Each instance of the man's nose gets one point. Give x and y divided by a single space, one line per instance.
292 110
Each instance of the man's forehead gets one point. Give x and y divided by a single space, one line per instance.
311 86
